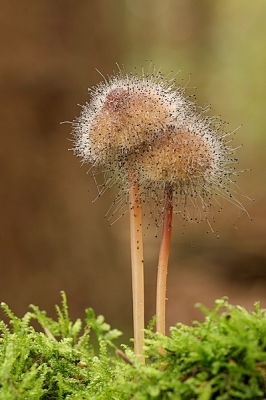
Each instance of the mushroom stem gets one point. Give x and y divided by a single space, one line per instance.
137 264
163 260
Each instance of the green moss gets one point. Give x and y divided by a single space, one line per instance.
222 358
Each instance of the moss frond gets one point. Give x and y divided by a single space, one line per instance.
222 358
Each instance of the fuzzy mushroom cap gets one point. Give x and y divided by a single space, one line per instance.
128 118
145 125
124 113
180 156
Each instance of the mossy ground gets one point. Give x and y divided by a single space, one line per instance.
222 358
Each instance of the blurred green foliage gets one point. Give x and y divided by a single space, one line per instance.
51 234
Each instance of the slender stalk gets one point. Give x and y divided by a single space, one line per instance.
137 265
163 260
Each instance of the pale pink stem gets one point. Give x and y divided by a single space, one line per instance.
163 260
137 265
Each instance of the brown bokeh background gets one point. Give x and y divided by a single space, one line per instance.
52 236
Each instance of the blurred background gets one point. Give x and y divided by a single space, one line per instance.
52 237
